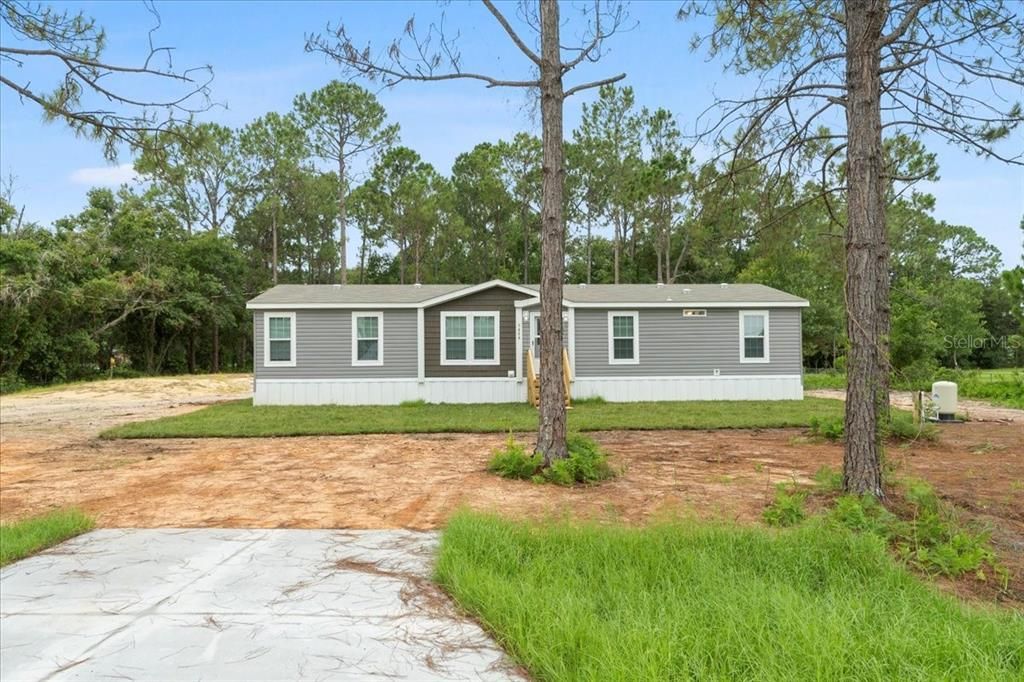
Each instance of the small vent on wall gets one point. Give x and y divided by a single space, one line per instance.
694 312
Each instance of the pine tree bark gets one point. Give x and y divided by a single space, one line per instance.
552 427
342 218
215 360
273 236
866 286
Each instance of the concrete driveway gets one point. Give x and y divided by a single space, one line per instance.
237 604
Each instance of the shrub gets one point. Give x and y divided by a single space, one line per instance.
419 402
829 428
592 400
787 509
512 461
932 538
828 478
586 463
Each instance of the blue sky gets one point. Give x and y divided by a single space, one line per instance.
256 51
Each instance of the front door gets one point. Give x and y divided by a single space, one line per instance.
535 336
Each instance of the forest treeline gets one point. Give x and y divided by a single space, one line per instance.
153 277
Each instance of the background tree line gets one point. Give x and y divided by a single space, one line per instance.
155 276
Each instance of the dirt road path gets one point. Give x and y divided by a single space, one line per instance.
974 409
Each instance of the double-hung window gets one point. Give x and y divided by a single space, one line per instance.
753 336
623 338
367 339
469 338
279 339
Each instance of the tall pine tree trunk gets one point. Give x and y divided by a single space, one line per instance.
526 240
866 287
551 431
343 236
215 359
273 236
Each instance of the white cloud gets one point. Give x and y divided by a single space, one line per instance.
107 176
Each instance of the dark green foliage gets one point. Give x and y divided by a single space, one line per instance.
786 509
512 461
586 463
829 428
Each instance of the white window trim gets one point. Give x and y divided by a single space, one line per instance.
267 362
743 347
356 362
470 338
612 360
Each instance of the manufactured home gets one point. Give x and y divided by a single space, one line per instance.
382 344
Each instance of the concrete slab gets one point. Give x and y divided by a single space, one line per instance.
237 605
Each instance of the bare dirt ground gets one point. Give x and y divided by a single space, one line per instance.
50 457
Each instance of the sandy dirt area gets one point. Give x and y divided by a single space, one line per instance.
51 457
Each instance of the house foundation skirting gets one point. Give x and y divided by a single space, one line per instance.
387 391
640 389
502 390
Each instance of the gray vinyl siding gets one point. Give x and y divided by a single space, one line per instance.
323 340
673 345
497 299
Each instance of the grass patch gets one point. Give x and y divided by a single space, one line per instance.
900 427
22 538
241 419
586 463
998 386
681 600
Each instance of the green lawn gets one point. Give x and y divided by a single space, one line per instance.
22 538
241 419
705 601
998 386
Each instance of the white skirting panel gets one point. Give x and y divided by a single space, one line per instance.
640 389
387 391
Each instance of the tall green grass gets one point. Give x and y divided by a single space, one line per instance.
696 601
22 538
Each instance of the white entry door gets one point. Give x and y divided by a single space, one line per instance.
535 336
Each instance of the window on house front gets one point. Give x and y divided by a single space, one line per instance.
623 339
367 338
469 338
279 340
753 336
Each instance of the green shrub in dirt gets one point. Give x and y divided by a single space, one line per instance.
863 514
512 461
787 509
930 537
829 428
828 479
586 463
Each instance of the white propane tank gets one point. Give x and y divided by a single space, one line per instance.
944 399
